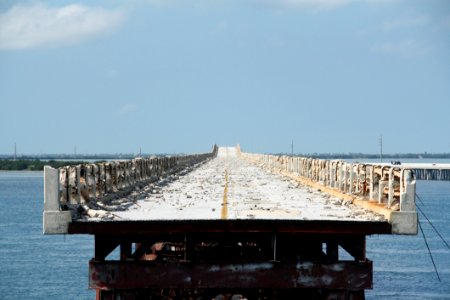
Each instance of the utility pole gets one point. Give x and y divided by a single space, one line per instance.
75 151
381 148
15 151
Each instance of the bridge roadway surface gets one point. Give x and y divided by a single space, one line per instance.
231 188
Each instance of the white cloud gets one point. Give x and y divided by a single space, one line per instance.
38 25
407 48
127 108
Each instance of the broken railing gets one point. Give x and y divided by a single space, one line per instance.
389 190
72 186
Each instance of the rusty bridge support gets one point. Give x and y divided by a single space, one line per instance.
183 262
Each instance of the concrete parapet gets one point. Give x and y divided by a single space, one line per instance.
54 220
389 190
85 182
74 186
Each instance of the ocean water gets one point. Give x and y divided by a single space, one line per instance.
33 265
402 265
37 266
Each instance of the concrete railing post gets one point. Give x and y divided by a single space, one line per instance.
371 182
51 189
391 187
351 186
342 177
407 191
405 220
54 220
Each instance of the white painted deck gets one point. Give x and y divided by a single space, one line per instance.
228 187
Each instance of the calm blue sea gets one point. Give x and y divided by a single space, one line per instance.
34 266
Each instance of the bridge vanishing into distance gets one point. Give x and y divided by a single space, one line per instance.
430 171
230 224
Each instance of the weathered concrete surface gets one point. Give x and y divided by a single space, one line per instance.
54 220
228 187
384 189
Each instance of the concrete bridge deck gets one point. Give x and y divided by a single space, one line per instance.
230 188
226 186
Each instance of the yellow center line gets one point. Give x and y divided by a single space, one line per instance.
224 212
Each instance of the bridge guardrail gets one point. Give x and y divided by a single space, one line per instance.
71 186
389 190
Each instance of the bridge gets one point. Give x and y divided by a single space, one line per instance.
230 222
430 171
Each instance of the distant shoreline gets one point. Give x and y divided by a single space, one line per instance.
97 157
32 163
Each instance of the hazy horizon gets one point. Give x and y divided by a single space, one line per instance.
98 154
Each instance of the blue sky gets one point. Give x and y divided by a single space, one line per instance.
177 76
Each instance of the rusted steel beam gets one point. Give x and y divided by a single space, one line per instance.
104 246
172 294
125 250
355 246
231 226
349 275
332 250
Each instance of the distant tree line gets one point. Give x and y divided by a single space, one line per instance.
33 164
61 157
80 156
